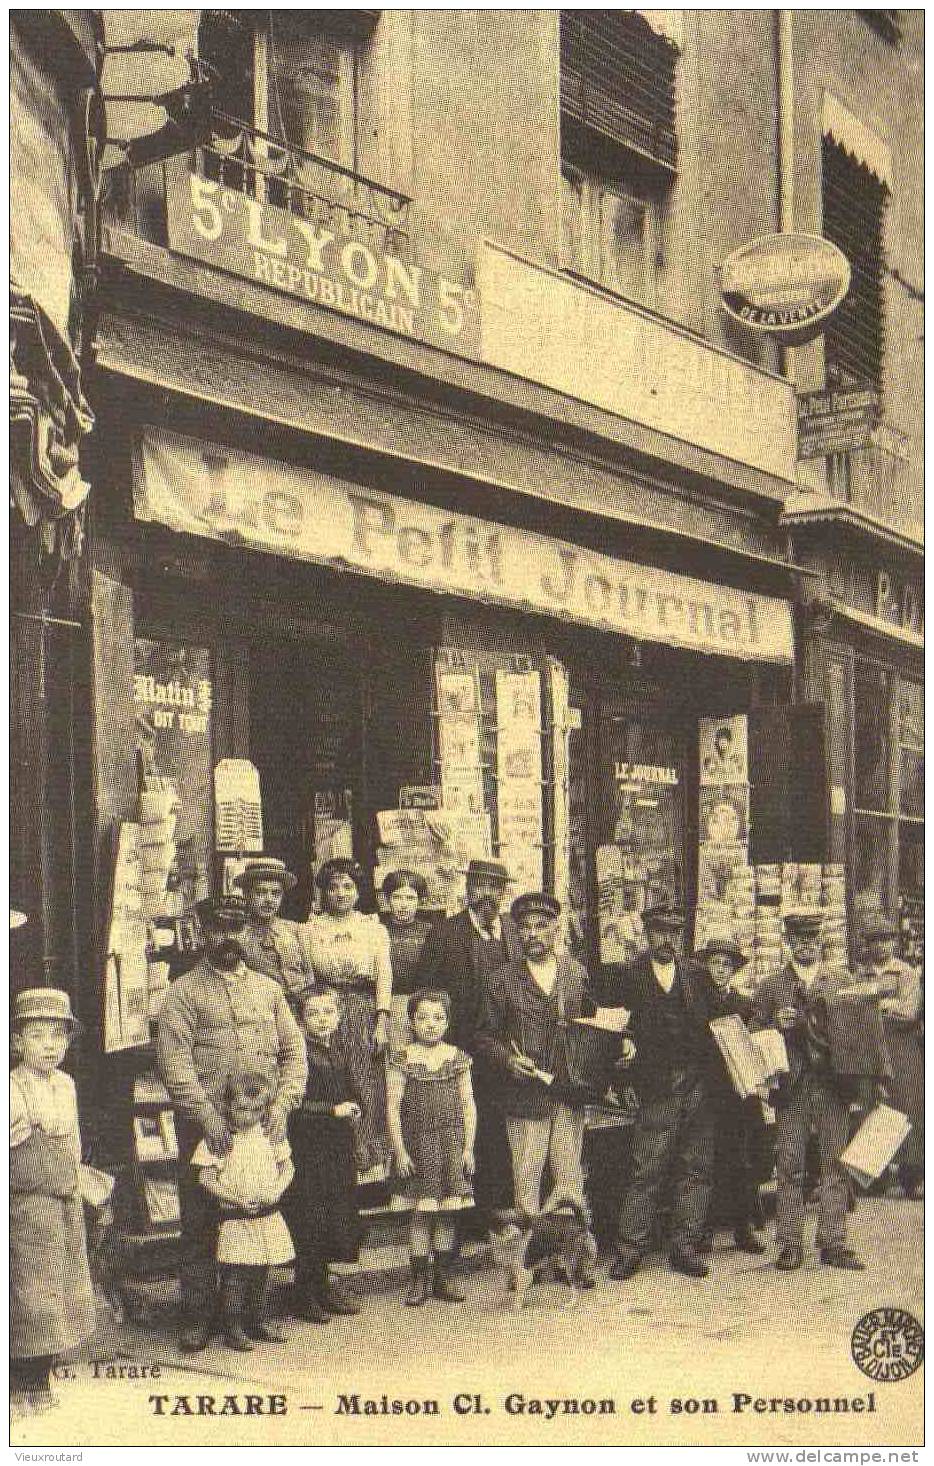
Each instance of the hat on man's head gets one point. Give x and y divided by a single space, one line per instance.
222 911
722 947
803 922
538 902
878 927
664 917
39 1003
266 868
488 870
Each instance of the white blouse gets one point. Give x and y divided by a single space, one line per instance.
348 949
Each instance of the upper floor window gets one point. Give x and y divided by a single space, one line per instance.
619 144
854 206
288 73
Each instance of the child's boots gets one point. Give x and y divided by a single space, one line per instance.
255 1325
420 1288
442 1287
308 1296
233 1304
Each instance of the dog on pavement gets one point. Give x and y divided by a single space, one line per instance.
559 1240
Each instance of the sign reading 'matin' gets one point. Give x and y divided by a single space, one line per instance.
315 262
257 504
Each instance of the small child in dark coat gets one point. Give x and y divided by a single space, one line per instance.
321 1205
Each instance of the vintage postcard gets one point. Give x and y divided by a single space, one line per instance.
467 729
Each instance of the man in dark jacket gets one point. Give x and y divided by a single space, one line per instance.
529 1004
670 1006
810 1096
459 954
740 1132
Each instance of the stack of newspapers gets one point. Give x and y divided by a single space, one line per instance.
875 1144
754 1060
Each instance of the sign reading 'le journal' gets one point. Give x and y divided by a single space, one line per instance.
257 504
316 262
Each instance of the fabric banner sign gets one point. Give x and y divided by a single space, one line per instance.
258 504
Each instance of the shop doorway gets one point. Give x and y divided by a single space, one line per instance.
305 740
638 835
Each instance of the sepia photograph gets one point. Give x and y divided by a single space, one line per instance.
466 713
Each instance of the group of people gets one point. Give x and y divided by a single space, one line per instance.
302 1056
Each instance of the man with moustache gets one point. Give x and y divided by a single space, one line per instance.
529 1004
459 954
670 1006
218 1020
270 943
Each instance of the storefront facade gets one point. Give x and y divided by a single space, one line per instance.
865 649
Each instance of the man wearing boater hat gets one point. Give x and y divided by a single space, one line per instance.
809 1097
271 944
670 1006
459 955
528 1004
217 1021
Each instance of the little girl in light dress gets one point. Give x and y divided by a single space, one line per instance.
248 1182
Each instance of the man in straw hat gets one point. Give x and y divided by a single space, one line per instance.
669 1009
459 955
271 944
809 1097
217 1021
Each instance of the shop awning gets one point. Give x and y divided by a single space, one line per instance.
666 23
804 509
259 504
855 138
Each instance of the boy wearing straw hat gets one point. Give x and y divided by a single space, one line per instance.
51 1296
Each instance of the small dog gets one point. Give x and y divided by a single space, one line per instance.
559 1239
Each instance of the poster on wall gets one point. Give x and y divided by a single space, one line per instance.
724 814
519 776
126 973
173 698
724 750
559 699
458 736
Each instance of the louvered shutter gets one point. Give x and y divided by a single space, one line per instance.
618 84
854 202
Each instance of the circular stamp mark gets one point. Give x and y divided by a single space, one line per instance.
887 1344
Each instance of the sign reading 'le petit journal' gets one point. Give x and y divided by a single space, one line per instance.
254 503
316 262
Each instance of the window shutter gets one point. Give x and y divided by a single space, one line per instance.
618 83
854 201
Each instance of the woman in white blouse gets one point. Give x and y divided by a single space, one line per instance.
349 951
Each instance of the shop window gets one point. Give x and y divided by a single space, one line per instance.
911 747
619 146
871 698
854 207
837 755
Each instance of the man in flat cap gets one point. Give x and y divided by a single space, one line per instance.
670 1006
809 1097
271 944
218 1021
459 955
529 1004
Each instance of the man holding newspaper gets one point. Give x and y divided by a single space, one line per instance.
833 1038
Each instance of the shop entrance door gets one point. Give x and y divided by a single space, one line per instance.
638 825
305 722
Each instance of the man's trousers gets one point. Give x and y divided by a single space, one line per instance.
673 1134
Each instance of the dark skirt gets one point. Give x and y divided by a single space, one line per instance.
321 1205
906 1087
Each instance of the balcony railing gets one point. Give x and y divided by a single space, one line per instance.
249 161
881 480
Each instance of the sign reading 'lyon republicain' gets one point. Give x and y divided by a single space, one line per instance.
205 489
315 262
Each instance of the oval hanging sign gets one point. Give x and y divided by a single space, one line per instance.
786 285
